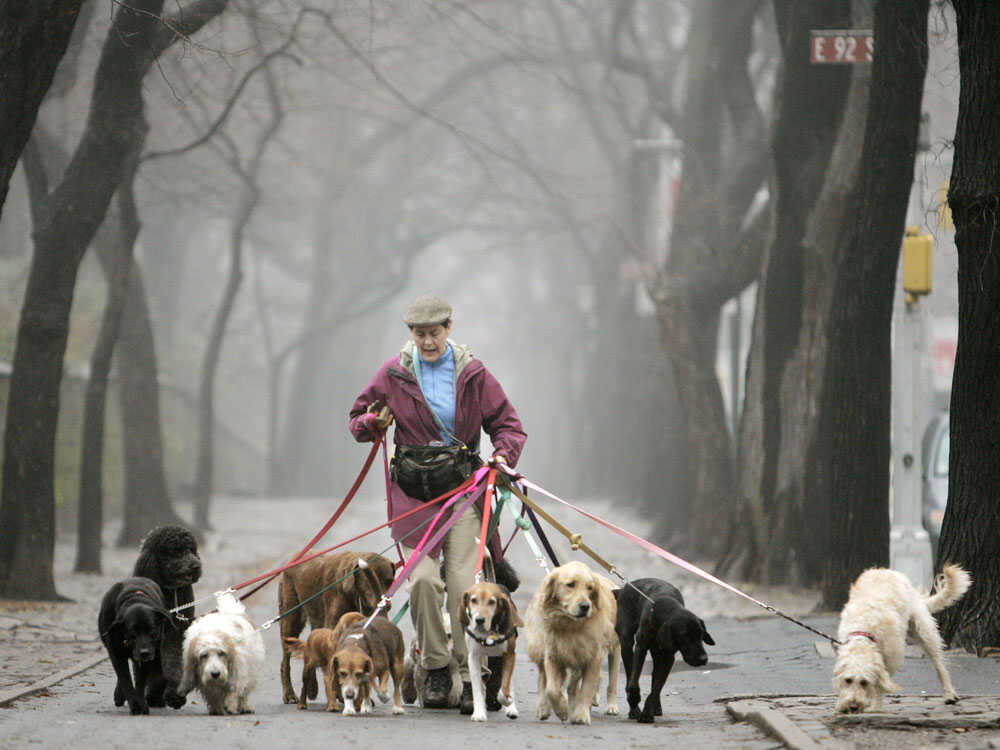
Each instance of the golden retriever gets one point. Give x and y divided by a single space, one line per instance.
569 626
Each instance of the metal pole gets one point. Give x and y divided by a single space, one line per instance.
909 543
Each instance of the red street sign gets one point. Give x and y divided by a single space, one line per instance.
841 46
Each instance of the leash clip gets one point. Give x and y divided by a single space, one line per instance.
267 625
575 541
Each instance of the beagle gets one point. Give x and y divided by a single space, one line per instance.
490 620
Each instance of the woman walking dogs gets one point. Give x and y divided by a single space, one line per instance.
441 398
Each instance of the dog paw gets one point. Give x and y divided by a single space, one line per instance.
478 716
119 696
173 699
542 713
633 712
612 709
645 718
511 711
349 710
288 697
383 697
137 708
582 716
305 707
951 699
398 710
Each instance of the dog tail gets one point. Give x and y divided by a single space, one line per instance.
294 647
950 585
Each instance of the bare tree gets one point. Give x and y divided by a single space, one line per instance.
33 39
816 146
248 199
76 207
970 535
848 466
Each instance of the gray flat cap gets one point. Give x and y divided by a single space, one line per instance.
427 310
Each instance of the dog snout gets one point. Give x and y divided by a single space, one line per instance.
852 708
215 674
697 660
583 609
480 620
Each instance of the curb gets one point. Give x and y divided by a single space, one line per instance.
773 723
9 696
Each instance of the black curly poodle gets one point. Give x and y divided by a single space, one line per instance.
169 556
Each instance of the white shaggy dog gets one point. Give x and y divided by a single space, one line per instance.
883 606
223 654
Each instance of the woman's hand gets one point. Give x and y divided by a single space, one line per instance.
378 417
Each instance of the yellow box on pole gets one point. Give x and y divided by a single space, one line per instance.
918 250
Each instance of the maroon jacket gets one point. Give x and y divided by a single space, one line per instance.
480 404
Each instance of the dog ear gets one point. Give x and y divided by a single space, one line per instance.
368 665
704 633
883 681
463 615
515 618
595 594
501 618
549 589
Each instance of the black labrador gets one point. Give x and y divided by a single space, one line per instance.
169 556
131 623
652 617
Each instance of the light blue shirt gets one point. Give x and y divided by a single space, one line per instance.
437 381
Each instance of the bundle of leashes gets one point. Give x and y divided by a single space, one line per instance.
499 479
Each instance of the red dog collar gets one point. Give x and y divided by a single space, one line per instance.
863 634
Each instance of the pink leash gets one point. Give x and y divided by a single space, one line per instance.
668 556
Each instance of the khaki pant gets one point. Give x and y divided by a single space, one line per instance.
427 594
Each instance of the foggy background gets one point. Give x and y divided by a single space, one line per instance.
476 151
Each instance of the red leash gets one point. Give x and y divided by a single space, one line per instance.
326 527
299 560
491 479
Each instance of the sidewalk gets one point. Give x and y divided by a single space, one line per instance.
764 670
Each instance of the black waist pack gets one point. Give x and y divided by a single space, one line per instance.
425 472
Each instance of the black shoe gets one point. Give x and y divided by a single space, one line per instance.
466 705
437 688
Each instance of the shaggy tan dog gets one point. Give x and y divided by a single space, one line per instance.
883 606
569 627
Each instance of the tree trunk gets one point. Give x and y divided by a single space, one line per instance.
115 128
90 518
848 472
701 272
33 39
970 534
204 476
771 535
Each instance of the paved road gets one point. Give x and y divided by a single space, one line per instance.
80 710
765 656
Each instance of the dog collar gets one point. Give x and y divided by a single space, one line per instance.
862 634
491 639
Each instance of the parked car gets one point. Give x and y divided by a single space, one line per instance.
936 445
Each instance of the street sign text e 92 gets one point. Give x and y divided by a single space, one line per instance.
845 46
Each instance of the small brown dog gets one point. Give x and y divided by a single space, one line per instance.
317 652
491 621
358 592
367 657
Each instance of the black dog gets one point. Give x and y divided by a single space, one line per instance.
662 626
169 556
131 623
